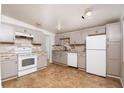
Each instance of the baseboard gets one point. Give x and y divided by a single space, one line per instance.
121 83
10 78
113 76
116 78
41 68
83 69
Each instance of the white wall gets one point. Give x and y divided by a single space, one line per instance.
52 42
0 63
122 48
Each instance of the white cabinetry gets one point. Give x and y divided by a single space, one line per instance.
113 49
76 37
8 66
41 61
57 39
38 37
7 34
113 31
59 57
81 60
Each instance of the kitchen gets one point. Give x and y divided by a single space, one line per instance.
86 52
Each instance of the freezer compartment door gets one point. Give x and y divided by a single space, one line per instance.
96 62
96 42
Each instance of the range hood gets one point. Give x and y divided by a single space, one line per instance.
25 35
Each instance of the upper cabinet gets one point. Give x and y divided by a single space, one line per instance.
113 31
7 34
97 31
77 37
38 36
65 35
57 39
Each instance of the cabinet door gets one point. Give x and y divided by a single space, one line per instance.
8 69
113 31
64 58
97 31
81 60
57 39
113 58
66 35
113 50
42 61
84 35
38 37
113 67
101 31
76 37
55 56
7 33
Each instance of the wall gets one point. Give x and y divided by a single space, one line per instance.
122 48
0 63
12 21
19 42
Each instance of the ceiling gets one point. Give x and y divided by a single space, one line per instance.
66 16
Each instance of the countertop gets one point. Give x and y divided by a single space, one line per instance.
40 52
74 51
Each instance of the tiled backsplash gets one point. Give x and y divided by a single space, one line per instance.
19 42
73 47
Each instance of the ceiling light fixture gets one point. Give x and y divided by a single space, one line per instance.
87 13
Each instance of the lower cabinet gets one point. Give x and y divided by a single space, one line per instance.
63 58
81 60
59 57
41 61
113 67
9 69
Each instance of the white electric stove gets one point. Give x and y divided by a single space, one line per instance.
27 61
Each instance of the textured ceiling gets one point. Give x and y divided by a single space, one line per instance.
68 16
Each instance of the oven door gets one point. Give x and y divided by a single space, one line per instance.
27 61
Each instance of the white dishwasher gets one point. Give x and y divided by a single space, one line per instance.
72 59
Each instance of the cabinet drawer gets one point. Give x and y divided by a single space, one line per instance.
8 57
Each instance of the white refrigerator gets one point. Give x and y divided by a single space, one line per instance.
96 55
